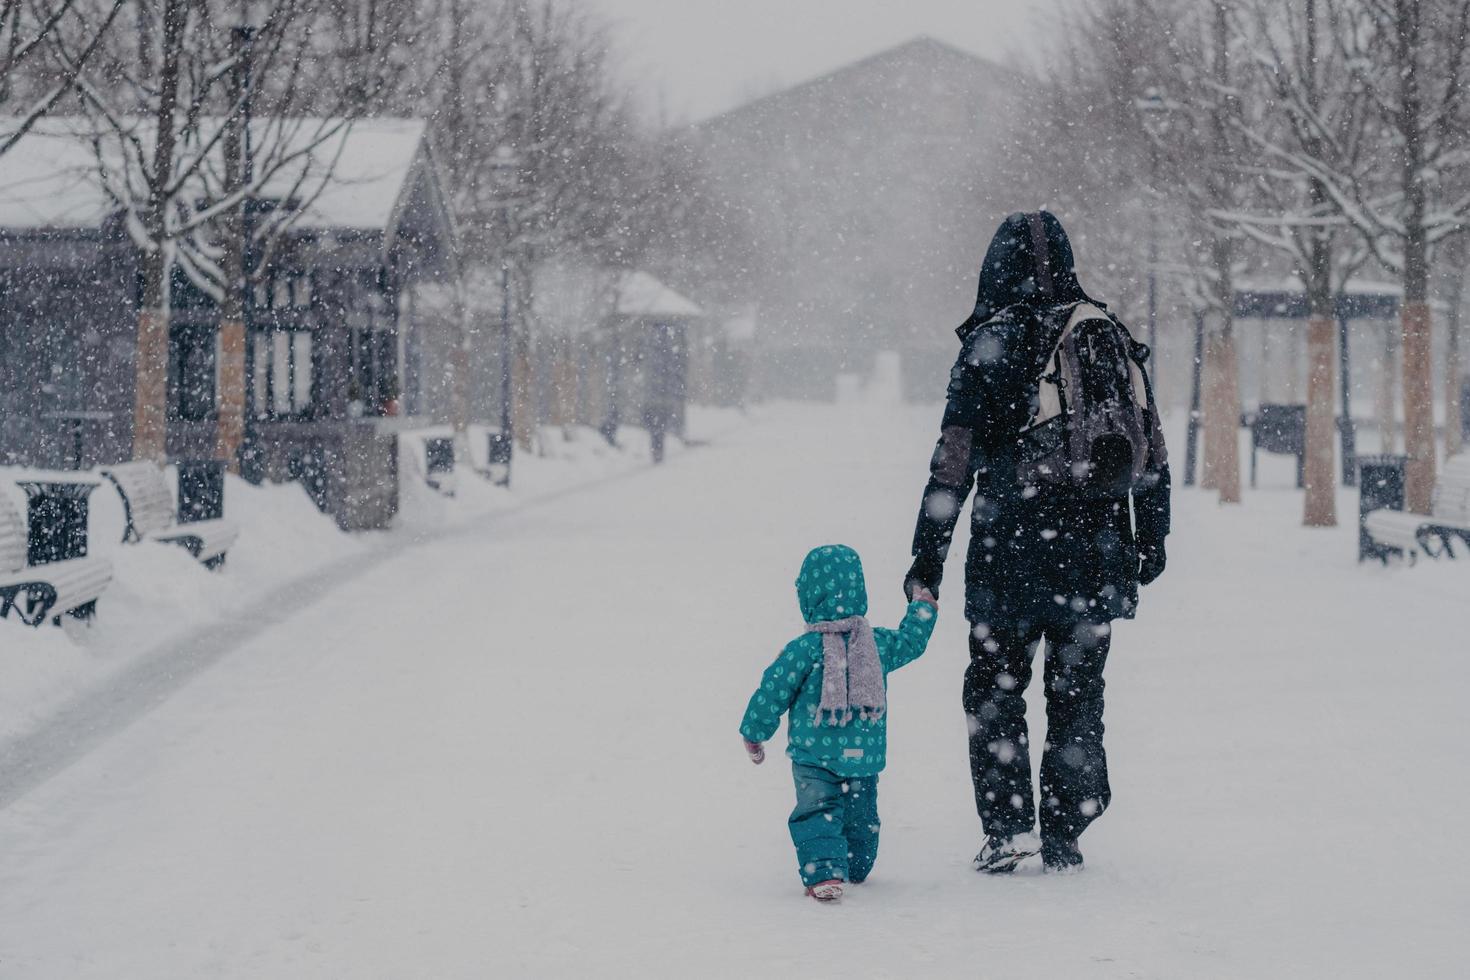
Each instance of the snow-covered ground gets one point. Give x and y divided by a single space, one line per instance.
287 554
510 751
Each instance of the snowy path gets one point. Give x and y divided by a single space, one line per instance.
511 752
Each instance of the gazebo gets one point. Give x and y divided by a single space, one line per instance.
1286 301
646 345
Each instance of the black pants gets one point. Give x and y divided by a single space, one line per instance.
1074 767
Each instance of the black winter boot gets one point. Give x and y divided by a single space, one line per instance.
1061 857
1001 855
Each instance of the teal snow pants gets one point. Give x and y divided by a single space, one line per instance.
834 825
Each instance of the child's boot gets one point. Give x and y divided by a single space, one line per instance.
826 891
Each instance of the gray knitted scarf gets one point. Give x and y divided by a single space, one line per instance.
852 676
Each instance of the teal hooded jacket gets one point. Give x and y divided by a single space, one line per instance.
830 587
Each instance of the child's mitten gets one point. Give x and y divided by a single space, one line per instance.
756 751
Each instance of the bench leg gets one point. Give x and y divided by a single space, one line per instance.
86 613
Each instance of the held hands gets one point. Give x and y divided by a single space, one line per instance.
923 575
920 594
1151 560
755 750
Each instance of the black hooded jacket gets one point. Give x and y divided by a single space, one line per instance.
1034 552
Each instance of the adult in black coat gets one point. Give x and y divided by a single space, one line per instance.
1044 562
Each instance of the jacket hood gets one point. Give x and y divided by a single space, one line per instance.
1011 274
831 585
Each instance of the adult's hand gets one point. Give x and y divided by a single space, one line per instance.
1151 561
923 574
921 594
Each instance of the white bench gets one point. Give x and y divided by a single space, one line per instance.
150 515
1434 535
39 592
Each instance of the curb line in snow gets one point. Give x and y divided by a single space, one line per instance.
78 727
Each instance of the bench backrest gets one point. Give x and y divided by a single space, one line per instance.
145 496
1452 492
13 535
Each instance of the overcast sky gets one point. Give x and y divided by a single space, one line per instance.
709 55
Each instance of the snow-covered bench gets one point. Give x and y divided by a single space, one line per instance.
150 515
39 592
1394 531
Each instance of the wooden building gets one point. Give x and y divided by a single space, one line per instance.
332 349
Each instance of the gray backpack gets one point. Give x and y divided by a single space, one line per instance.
1094 426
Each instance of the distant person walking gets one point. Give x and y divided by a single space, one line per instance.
1051 421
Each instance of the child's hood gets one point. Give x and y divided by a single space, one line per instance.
831 584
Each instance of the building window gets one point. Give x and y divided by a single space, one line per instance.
372 338
193 372
283 374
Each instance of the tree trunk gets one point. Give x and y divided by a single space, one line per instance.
564 381
150 391
230 399
1416 322
1418 409
230 426
1224 410
1210 455
1320 507
150 422
523 415
1223 416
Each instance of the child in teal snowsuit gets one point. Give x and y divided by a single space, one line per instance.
833 681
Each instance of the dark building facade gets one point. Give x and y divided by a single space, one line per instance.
330 347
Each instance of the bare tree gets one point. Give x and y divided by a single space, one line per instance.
537 138
26 26
1413 58
1305 100
164 116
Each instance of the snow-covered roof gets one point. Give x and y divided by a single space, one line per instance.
640 294
51 179
1293 286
